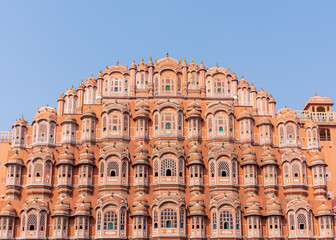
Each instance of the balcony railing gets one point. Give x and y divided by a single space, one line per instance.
321 117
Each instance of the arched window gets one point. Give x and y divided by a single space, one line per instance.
223 169
110 220
302 221
214 220
32 222
112 169
156 219
168 218
99 220
168 125
38 168
296 170
168 167
212 169
226 220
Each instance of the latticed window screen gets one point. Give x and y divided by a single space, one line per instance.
168 218
168 165
122 219
98 220
38 170
212 169
181 167
223 169
295 170
290 132
42 222
291 221
156 166
110 220
124 169
309 221
214 220
112 169
102 169
234 169
181 217
301 221
23 223
32 222
210 124
237 219
156 216
226 220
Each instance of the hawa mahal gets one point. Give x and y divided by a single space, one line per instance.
169 150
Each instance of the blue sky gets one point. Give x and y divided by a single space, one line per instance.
288 47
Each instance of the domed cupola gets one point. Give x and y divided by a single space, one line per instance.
250 167
140 217
269 165
20 128
65 166
142 120
44 126
245 126
69 125
196 168
194 120
141 166
7 222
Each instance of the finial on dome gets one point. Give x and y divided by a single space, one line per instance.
179 60
155 60
252 84
167 55
184 59
150 58
100 71
201 61
285 105
271 95
71 86
216 64
82 80
242 76
106 67
207 68
262 89
91 74
47 105
133 60
126 66
315 94
229 69
142 60
117 61
192 60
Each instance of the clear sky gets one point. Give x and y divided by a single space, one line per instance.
288 47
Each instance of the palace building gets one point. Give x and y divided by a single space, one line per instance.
170 150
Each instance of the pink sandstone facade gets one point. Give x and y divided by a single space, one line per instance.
169 150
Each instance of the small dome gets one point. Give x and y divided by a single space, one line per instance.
201 66
9 209
83 200
243 83
244 114
323 210
197 198
253 200
89 113
20 121
253 88
253 210
264 121
71 91
142 104
140 207
197 207
69 119
195 157
82 208
90 81
45 113
273 200
81 85
140 198
193 104
141 149
133 65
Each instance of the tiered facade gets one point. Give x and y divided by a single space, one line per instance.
166 151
